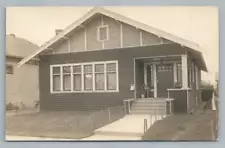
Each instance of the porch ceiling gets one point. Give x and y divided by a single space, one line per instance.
196 56
165 58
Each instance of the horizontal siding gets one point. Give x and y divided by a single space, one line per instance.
180 102
73 101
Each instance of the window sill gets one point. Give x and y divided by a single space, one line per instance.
66 92
174 89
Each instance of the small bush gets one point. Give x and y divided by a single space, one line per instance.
10 106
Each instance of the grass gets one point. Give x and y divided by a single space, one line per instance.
183 127
69 125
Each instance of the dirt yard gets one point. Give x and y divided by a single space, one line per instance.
71 125
193 127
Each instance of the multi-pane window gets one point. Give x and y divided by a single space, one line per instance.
85 77
88 77
77 78
103 33
111 76
99 76
66 78
56 77
189 76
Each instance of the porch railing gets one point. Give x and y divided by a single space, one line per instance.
127 105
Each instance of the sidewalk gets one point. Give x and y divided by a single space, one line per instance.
25 138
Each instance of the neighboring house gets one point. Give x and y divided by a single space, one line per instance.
21 83
105 58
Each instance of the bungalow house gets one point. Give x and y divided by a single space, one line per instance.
21 83
104 58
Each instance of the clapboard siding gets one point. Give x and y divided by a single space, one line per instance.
125 57
180 102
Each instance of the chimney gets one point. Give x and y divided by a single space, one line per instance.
57 31
12 35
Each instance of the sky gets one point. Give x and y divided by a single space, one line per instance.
196 24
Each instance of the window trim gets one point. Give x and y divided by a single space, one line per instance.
107 33
175 72
82 77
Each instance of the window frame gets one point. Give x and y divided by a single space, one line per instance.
11 69
82 77
176 73
60 77
107 33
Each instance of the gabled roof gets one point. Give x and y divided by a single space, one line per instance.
19 47
100 10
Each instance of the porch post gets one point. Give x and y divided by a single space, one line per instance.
145 74
175 72
155 79
184 71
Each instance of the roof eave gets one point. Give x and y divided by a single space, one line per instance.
117 17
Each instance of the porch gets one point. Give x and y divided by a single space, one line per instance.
167 83
154 76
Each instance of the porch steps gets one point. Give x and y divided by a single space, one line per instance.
156 106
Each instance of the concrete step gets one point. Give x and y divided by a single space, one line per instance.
150 101
148 107
148 104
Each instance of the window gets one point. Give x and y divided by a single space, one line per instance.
85 77
189 77
99 77
111 76
88 79
67 78
193 72
77 75
179 73
103 32
56 78
9 69
197 77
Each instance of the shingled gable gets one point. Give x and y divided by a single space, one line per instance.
100 10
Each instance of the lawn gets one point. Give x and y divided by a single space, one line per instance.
70 125
183 127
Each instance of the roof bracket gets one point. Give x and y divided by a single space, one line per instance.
82 26
64 37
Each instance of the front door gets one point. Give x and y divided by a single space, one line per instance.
164 74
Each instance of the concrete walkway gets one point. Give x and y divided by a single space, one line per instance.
130 127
